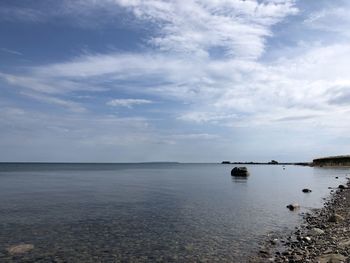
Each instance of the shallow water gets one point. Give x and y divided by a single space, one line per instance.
151 212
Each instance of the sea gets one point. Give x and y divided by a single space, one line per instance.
152 212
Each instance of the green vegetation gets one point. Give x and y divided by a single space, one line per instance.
342 160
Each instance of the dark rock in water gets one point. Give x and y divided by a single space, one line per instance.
240 171
342 186
306 190
336 177
293 207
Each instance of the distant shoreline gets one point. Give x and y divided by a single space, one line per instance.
269 163
330 161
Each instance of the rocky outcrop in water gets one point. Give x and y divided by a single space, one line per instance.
293 207
240 172
306 190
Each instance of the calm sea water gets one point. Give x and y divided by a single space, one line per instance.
150 212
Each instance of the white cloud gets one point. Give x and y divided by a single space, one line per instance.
189 31
213 90
71 105
11 51
129 103
28 82
20 13
333 19
194 136
202 117
236 28
43 83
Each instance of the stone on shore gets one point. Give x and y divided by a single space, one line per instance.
342 186
20 249
344 243
331 258
316 231
335 218
307 239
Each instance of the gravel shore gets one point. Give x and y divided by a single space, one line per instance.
324 235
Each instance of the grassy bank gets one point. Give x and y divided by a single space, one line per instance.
342 160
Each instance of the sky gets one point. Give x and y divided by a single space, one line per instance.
179 80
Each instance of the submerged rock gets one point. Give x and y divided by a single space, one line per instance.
20 249
240 171
306 190
294 206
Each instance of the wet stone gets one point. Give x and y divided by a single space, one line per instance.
335 218
331 258
316 231
19 249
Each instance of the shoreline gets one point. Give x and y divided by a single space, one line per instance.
323 236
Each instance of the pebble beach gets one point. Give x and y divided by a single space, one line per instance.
324 235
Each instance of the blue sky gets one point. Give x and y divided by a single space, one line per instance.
189 81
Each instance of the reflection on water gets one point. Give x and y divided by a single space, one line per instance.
239 179
150 212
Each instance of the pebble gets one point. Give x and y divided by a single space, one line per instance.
335 218
331 258
317 231
19 249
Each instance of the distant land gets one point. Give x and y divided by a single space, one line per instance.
272 162
340 160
